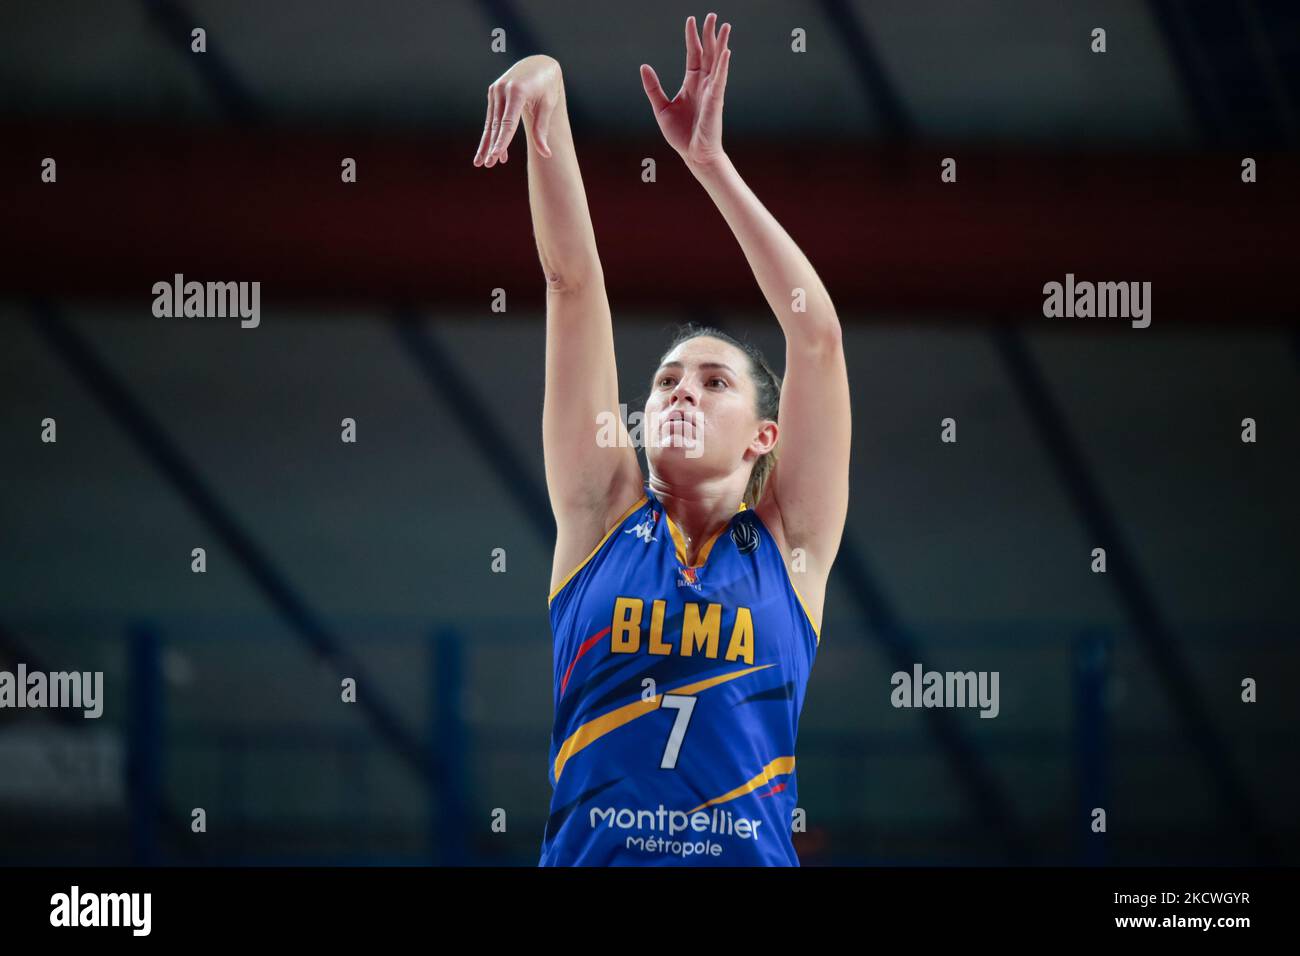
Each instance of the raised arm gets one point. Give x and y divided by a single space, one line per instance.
588 482
809 487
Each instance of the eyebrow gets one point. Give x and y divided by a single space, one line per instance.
702 365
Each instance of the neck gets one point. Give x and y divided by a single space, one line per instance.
700 508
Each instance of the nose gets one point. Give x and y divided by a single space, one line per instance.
682 393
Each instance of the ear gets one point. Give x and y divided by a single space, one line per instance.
765 439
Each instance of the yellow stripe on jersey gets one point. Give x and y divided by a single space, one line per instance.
804 604
679 542
776 768
598 727
617 524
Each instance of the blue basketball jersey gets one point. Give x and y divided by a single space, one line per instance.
677 698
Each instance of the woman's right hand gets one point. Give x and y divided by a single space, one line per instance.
531 88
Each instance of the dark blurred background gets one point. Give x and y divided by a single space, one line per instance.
374 560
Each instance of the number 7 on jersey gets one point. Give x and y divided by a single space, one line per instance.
684 706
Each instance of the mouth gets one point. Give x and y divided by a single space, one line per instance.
677 422
679 429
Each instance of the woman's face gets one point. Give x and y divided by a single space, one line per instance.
700 417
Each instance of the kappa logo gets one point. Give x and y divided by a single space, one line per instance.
645 530
745 535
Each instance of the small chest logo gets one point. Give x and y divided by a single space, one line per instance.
745 535
689 578
645 530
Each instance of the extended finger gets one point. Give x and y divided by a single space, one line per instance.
650 80
694 52
514 104
719 79
498 99
710 43
481 153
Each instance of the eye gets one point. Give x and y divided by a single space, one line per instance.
666 378
716 379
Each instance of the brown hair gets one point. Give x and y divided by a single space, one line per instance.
767 388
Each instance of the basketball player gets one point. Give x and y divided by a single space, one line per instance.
685 608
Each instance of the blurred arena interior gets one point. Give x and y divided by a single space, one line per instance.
374 560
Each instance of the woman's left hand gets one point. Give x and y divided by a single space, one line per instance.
692 121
